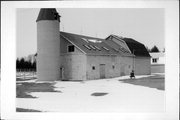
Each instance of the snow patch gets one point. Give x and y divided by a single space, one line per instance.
76 97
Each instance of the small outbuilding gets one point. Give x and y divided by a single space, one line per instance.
157 62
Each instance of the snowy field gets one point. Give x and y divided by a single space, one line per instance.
104 95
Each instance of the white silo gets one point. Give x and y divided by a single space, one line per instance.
48 45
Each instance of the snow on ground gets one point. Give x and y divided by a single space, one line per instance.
28 81
76 97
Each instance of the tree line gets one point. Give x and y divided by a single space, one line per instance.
154 49
25 65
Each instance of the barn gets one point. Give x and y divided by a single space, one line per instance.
68 56
142 59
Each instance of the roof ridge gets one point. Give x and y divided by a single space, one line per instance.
81 35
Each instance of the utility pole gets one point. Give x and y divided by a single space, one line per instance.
133 59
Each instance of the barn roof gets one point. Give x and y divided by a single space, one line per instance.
137 48
92 45
157 54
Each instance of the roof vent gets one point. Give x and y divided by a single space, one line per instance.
105 48
86 46
85 40
92 47
97 48
94 41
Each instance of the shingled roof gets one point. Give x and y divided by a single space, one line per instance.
92 45
137 48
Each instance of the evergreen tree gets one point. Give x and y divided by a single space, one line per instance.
17 64
154 49
22 64
25 65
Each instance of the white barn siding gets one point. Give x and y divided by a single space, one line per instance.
142 66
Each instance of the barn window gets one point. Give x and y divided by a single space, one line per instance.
71 48
93 67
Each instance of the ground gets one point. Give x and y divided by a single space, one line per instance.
143 94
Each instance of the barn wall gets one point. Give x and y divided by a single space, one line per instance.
73 63
126 65
157 68
95 60
64 47
109 61
74 66
142 65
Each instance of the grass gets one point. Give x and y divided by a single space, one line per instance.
26 110
23 89
156 81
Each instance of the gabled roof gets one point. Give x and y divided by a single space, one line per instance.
117 46
136 48
91 45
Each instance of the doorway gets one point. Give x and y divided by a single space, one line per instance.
102 70
61 73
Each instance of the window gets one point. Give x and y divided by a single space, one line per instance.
71 48
154 60
93 67
87 47
113 67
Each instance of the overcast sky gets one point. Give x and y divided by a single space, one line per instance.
145 25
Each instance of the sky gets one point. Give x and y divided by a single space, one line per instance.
145 25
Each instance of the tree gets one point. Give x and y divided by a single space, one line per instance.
26 65
22 64
154 49
34 66
163 49
17 64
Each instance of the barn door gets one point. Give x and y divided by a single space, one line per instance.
122 69
61 73
102 70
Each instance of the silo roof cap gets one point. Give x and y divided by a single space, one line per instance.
48 14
